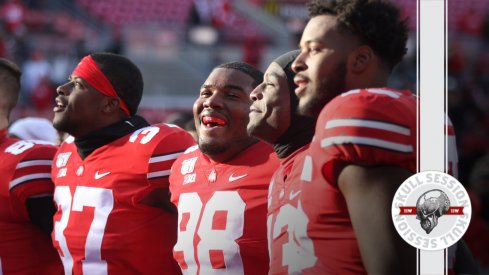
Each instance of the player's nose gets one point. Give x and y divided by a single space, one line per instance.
213 101
257 94
299 65
64 89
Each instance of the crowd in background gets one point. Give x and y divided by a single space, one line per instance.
25 23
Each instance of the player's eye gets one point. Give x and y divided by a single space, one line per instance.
205 93
314 50
233 95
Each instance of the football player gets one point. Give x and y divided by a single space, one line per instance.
364 145
274 119
26 192
220 186
114 214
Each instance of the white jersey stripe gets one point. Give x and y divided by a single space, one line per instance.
30 163
368 124
367 141
385 92
306 174
165 157
163 173
28 178
389 93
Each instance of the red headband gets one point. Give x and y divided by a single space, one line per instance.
91 73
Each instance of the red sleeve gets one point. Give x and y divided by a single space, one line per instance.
165 153
32 176
368 127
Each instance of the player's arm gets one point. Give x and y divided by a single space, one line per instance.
164 155
31 187
368 192
159 197
41 211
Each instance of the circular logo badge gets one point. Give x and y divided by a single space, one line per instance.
431 210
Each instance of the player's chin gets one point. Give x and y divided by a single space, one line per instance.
305 107
254 119
252 126
57 118
210 139
60 123
212 146
310 108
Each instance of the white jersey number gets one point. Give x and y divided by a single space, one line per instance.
298 252
217 251
102 200
144 135
22 145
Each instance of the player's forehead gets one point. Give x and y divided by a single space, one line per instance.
221 78
278 90
275 71
323 29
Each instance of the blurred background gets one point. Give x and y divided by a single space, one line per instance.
177 42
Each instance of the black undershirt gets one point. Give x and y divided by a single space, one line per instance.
98 138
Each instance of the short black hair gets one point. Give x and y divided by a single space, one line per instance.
10 75
376 23
125 77
246 68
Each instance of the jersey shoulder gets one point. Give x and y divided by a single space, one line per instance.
368 126
66 149
265 149
157 134
26 167
374 104
259 159
186 162
25 150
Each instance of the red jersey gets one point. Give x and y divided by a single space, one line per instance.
24 173
368 127
222 211
100 226
284 215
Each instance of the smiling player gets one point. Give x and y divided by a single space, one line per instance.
220 186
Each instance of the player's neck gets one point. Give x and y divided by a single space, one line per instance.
370 79
231 153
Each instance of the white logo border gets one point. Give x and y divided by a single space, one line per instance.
445 182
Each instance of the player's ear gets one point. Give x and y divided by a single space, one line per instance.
360 58
110 104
